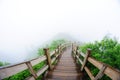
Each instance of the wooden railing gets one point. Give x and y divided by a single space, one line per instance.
111 72
50 57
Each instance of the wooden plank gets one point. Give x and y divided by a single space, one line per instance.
11 70
79 60
55 58
30 78
85 59
31 70
89 73
64 74
95 62
82 54
57 55
101 73
109 71
38 60
52 53
41 71
56 50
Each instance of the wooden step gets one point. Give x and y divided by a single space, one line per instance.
63 74
66 61
66 68
65 78
68 71
68 65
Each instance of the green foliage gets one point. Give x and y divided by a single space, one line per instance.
40 51
19 76
107 51
52 46
24 74
3 63
39 66
55 44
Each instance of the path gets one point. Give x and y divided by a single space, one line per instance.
66 69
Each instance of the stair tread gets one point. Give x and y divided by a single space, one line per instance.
65 78
69 71
66 69
64 74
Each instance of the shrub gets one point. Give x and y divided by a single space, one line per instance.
106 51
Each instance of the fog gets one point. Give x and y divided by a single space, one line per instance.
26 25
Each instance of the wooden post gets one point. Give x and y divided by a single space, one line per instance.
75 54
101 72
72 47
31 70
73 50
58 52
77 48
58 49
46 50
85 59
55 52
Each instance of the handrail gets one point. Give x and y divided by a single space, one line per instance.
104 68
10 70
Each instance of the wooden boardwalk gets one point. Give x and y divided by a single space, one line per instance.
66 68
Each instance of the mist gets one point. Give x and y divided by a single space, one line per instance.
25 25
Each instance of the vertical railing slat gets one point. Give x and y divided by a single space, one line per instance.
31 70
85 59
46 50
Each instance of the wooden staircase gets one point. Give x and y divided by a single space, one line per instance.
66 68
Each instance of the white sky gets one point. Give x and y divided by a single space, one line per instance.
27 23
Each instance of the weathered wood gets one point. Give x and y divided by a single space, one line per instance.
46 50
11 70
75 56
101 73
109 71
55 53
16 68
38 60
41 71
58 49
85 59
76 53
52 53
31 70
82 54
89 73
53 60
79 60
66 68
72 47
30 78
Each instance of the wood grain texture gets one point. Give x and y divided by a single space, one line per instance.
66 69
